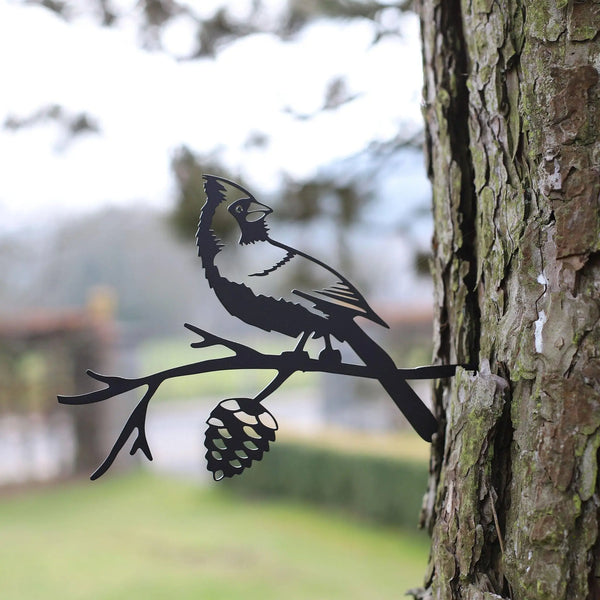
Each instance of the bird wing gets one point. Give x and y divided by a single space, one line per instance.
339 294
339 298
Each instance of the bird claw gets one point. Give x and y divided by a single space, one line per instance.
330 355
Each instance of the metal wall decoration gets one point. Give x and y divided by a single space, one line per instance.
240 429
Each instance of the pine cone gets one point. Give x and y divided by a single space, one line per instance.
239 432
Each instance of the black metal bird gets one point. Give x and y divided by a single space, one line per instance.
323 311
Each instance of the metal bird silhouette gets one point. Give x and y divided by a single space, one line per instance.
240 429
326 310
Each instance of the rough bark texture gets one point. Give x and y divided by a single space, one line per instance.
512 112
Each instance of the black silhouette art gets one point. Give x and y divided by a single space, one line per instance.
240 429
329 311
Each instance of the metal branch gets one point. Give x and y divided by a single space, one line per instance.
279 380
244 357
137 420
209 339
250 360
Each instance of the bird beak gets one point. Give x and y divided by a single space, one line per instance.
257 211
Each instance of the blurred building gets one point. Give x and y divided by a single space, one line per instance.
44 354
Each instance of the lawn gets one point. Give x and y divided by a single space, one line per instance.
150 538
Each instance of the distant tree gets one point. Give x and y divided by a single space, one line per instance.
188 169
511 107
226 24
338 192
73 124
304 201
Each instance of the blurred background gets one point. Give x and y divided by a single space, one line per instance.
110 111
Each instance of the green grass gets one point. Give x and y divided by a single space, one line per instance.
144 537
160 354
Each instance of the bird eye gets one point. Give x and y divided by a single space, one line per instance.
239 208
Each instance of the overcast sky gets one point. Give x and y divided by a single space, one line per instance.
147 104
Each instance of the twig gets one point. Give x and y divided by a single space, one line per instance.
137 420
279 380
209 339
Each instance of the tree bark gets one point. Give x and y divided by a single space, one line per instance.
512 111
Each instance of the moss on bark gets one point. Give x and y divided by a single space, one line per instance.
512 104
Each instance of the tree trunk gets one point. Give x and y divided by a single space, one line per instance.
512 110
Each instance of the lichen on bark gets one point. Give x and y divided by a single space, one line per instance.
512 109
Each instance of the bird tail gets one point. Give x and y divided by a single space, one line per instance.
405 398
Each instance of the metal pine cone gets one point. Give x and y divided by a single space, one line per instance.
239 432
